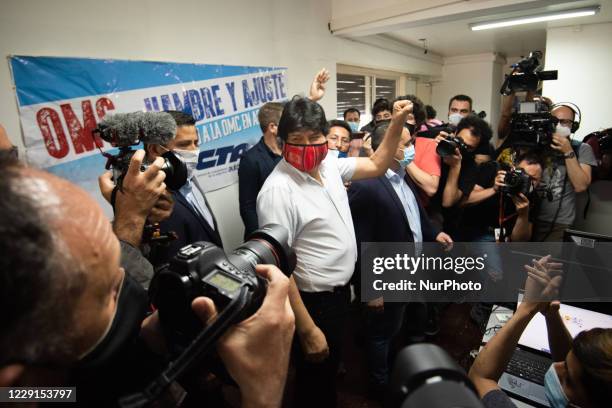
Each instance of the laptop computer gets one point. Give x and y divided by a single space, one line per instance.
524 375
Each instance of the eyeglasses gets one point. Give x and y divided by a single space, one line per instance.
566 122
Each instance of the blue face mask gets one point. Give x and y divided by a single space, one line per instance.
354 126
408 157
553 389
342 155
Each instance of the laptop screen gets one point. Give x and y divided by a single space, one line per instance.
576 320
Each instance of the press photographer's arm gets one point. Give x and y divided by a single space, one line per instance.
579 174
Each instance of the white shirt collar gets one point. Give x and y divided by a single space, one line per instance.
393 176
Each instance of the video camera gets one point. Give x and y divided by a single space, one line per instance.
532 125
203 269
424 375
526 74
125 130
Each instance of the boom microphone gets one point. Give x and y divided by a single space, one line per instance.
128 129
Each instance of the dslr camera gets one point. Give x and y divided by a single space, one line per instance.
203 269
126 130
446 147
526 74
517 181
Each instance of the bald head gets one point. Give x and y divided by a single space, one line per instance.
60 262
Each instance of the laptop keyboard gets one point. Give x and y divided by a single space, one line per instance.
528 366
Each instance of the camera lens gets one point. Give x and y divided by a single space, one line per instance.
267 245
446 148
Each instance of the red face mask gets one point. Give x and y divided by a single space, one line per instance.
305 157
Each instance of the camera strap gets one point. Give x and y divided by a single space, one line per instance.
503 219
203 344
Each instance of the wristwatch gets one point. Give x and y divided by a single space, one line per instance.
569 155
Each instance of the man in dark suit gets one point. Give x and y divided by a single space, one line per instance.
257 164
386 209
192 218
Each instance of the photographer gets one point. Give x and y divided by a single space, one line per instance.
461 168
581 375
73 317
460 107
568 172
481 208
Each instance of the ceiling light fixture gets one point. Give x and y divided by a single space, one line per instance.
538 18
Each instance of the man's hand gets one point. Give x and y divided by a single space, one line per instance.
402 109
367 145
445 240
377 305
441 136
140 192
256 350
499 180
561 144
314 345
453 160
317 88
162 208
521 202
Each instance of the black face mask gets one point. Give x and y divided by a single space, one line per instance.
410 128
132 307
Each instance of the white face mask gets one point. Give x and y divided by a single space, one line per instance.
454 118
563 130
190 158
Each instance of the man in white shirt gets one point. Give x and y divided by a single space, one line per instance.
306 194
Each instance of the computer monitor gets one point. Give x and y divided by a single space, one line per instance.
576 319
593 268
584 239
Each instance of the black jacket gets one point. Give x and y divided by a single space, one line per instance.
190 227
255 167
377 211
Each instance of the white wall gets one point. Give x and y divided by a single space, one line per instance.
477 76
289 33
583 57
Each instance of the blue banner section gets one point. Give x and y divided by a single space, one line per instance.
62 100
47 79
